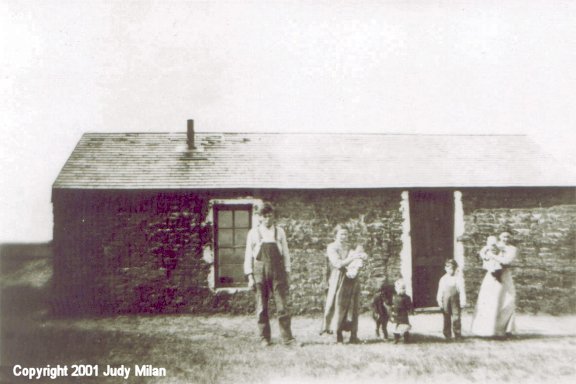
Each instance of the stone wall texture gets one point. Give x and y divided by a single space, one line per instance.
543 225
142 251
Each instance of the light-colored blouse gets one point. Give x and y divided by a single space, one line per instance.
336 253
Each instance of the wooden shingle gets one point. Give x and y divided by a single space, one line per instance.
308 161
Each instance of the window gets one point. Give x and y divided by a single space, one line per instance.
231 226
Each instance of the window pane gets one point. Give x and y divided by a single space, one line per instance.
233 224
225 219
232 274
225 256
241 219
230 256
239 254
240 236
225 237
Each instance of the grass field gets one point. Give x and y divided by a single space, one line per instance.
224 349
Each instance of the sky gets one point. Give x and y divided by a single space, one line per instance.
416 67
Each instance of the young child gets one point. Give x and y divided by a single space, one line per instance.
451 298
354 267
382 308
401 306
488 254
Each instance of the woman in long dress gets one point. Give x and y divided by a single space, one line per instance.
342 300
496 305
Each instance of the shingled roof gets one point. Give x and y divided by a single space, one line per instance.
307 161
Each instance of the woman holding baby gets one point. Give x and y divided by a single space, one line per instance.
495 308
342 301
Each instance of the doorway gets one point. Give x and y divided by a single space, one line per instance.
432 233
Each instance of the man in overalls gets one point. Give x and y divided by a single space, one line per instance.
267 265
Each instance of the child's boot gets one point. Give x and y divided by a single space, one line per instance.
406 337
396 338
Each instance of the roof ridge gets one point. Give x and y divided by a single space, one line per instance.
312 133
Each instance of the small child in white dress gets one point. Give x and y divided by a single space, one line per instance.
354 267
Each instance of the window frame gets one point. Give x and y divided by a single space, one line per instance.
233 207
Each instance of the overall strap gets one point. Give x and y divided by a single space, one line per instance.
259 234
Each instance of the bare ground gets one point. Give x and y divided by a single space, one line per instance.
224 349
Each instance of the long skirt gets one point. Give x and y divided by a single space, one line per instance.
496 305
341 308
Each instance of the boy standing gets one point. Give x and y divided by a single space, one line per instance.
451 298
267 265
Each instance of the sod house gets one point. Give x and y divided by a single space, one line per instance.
157 222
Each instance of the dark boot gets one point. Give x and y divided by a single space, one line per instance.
396 338
406 337
339 337
354 339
